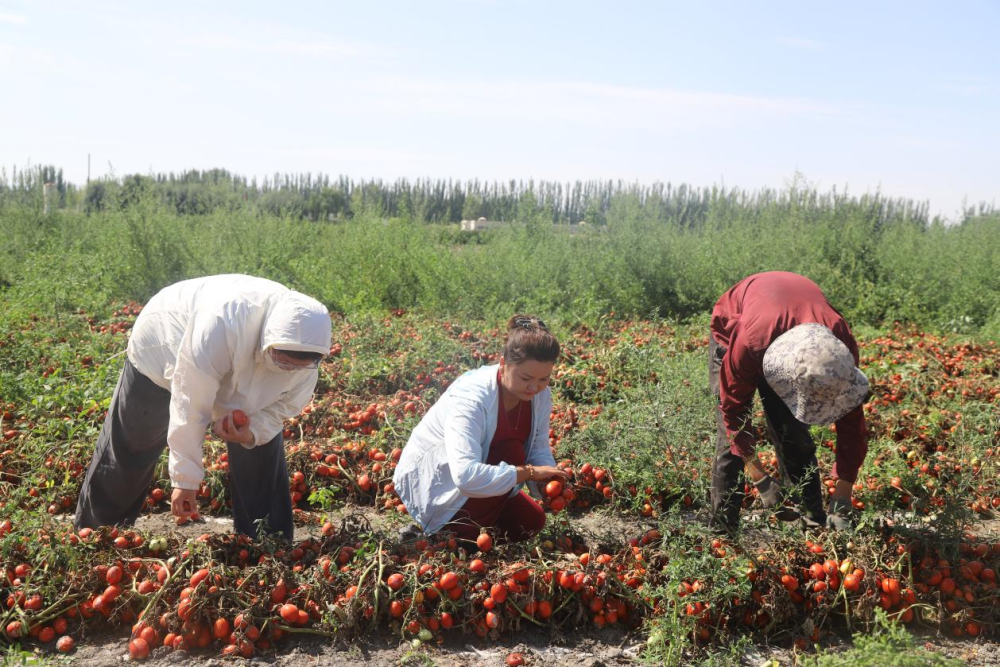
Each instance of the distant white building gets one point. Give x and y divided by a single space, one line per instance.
480 224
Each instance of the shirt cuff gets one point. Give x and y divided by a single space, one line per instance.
187 486
848 474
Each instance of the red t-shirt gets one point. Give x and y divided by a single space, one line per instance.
745 321
507 445
514 425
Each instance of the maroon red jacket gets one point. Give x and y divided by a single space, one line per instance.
745 321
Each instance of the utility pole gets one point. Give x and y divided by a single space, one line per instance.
88 168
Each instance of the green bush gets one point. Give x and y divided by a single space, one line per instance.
876 263
888 645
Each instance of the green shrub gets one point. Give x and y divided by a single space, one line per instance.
888 645
662 255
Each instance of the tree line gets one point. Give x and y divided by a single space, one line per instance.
320 198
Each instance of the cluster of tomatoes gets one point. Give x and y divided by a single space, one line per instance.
242 596
934 379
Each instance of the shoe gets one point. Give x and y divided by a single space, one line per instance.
410 533
839 516
769 491
813 519
786 514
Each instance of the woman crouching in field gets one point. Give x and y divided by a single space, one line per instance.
464 464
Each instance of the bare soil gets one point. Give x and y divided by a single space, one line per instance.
538 647
606 648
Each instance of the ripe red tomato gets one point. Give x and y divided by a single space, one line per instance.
484 542
138 649
198 577
890 586
499 593
448 581
220 629
65 644
113 575
184 609
515 660
554 488
289 613
239 418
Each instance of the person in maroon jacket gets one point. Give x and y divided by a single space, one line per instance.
776 334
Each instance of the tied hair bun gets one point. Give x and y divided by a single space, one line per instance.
526 323
528 337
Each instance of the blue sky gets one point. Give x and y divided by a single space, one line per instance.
901 97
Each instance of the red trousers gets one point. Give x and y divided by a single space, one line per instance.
516 517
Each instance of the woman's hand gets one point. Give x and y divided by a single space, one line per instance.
540 473
226 429
184 503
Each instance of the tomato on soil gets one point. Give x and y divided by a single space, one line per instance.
138 649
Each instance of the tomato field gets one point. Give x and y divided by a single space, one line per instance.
633 421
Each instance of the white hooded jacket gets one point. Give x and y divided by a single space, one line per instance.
444 461
205 341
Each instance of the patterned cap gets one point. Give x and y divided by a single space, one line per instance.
814 374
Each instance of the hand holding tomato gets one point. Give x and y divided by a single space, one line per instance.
542 474
184 504
235 427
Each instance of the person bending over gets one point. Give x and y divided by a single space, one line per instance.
777 335
238 352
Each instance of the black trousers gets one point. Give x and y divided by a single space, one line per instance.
793 445
131 442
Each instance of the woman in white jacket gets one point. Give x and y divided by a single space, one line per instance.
465 462
200 350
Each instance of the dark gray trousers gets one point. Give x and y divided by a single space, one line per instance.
131 442
793 445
